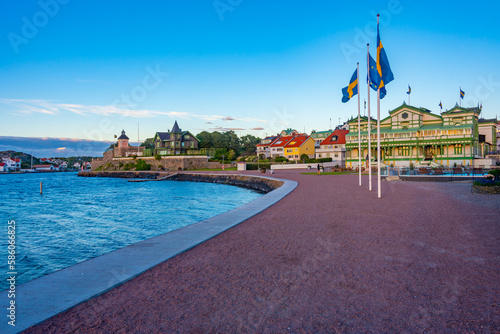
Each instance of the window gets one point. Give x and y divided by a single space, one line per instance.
458 149
404 151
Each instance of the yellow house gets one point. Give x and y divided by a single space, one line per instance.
299 145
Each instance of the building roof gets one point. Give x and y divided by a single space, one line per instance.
2 164
271 138
321 134
336 138
42 166
176 128
163 135
297 141
282 141
123 136
491 120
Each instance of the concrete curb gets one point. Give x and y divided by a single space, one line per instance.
42 298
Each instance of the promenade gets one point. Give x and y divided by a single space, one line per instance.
328 258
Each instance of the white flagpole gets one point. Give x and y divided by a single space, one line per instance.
369 124
378 136
378 144
359 129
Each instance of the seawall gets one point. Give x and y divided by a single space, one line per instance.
260 183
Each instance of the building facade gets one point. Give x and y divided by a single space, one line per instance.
411 135
264 147
299 145
174 142
333 147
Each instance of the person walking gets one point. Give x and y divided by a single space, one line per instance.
319 170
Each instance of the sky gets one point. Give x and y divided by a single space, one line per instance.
76 73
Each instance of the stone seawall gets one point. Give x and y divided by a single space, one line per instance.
259 183
181 162
253 182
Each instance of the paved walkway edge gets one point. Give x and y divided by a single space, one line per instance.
44 297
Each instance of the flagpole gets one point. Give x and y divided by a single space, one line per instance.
378 145
359 129
378 133
369 124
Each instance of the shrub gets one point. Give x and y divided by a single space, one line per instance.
486 183
255 166
142 165
158 157
128 166
495 173
280 159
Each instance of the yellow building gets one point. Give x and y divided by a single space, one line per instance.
299 145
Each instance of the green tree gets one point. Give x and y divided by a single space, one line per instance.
148 144
205 139
248 144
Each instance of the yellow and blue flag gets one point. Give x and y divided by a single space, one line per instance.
409 90
374 77
383 67
462 94
441 105
352 89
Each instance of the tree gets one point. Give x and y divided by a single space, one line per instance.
248 144
148 144
205 139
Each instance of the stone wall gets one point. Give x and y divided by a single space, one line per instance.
182 162
254 182
485 190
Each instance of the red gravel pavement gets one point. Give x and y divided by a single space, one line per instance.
329 258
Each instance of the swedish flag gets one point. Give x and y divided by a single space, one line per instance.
462 94
374 77
383 67
441 105
352 89
409 90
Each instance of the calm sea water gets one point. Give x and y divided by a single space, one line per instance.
78 218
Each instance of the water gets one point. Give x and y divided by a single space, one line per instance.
78 218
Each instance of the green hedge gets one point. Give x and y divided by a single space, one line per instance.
256 166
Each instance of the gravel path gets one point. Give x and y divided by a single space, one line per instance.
329 258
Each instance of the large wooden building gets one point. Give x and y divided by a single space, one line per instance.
411 135
174 142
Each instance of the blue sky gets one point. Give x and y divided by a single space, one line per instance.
85 70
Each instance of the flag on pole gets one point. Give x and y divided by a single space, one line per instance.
441 105
115 136
409 90
462 94
352 89
383 67
374 77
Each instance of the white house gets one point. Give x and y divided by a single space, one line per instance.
44 168
11 164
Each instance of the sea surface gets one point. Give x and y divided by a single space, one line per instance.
79 218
